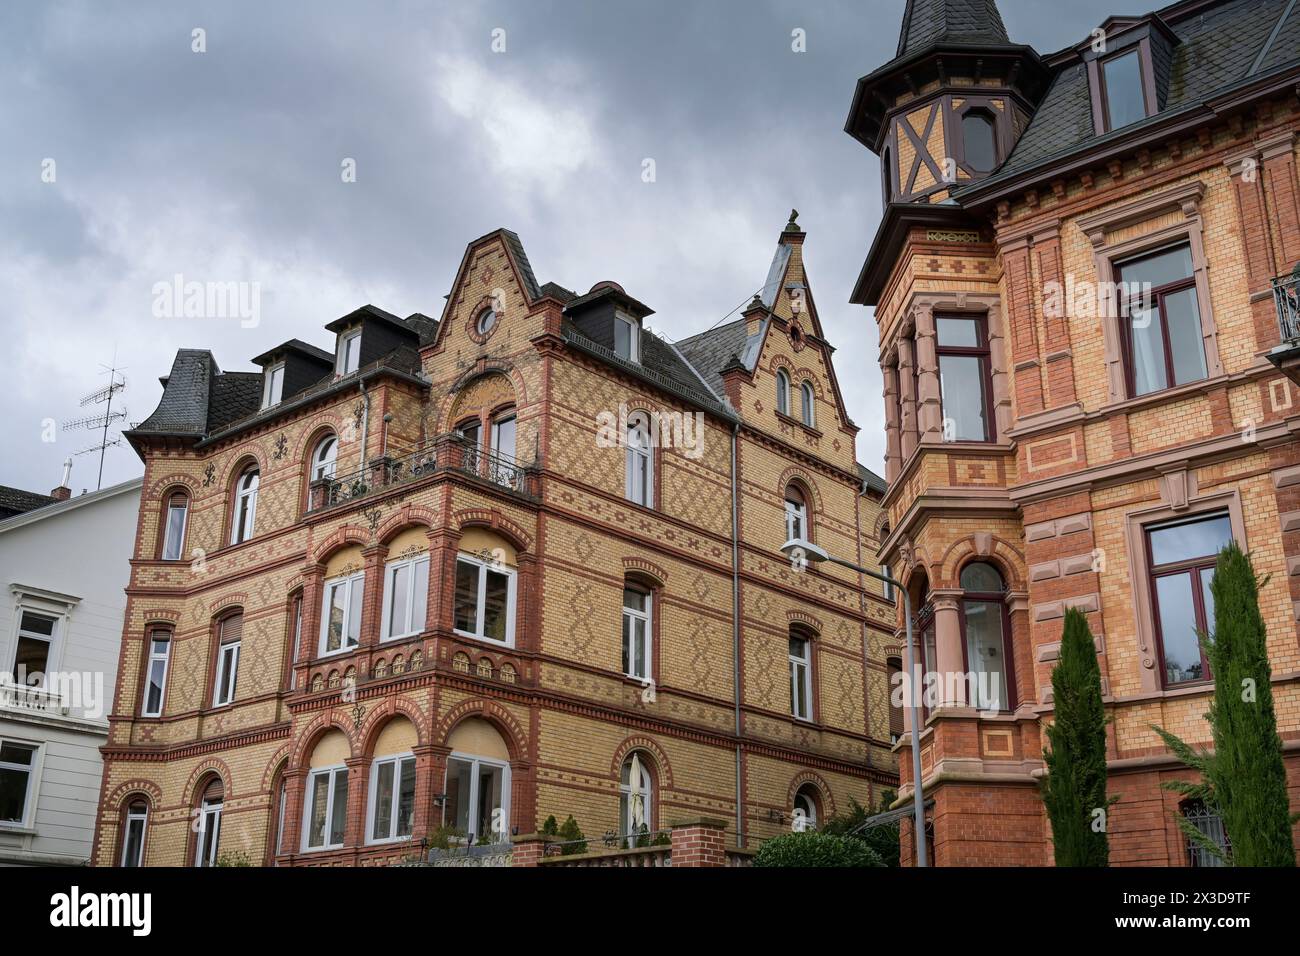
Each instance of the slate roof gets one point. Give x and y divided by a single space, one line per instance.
1218 48
711 351
930 22
297 345
872 480
525 267
15 501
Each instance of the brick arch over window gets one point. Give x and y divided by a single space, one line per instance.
277 765
172 482
394 708
493 520
318 728
806 778
124 792
161 617
452 408
496 715
987 547
317 428
408 516
661 771
802 480
639 567
202 776
805 620
344 537
227 603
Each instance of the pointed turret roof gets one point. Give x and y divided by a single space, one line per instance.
926 22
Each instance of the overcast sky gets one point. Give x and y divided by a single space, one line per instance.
226 166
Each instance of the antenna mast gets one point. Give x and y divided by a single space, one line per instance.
101 423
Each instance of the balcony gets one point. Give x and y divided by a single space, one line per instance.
448 454
1286 298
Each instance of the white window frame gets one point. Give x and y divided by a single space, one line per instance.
796 512
227 664
801 675
625 806
33 772
346 355
326 467
475 762
412 567
209 816
332 772
810 810
167 528
245 505
398 761
633 338
512 577
495 440
630 617
133 817
783 391
272 385
637 489
481 325
53 639
154 658
808 400
345 581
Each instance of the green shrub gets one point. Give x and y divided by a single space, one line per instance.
883 838
573 839
550 827
813 849
235 858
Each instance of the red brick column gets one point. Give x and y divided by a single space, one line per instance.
372 599
430 779
530 848
309 641
295 791
700 842
354 833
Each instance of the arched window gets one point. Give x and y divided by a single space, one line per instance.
985 631
178 509
207 838
486 589
801 686
782 391
478 783
391 814
155 677
894 668
796 515
640 480
245 512
324 459
637 613
486 322
978 143
635 798
807 398
805 809
1207 820
133 830
325 814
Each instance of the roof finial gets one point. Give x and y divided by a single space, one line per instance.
793 226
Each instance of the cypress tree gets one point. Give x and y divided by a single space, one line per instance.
1074 790
1244 779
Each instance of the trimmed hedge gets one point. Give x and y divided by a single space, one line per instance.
812 849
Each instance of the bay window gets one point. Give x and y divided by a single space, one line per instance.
986 635
965 381
340 626
406 597
485 600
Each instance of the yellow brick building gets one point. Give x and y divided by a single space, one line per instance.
451 577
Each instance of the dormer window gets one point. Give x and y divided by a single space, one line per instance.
627 340
272 385
349 358
1122 89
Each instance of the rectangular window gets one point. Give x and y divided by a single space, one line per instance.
35 652
1182 555
888 588
800 679
965 386
1122 80
626 339
232 630
349 359
325 819
478 798
17 764
155 680
340 625
392 798
1161 320
406 597
273 385
174 539
209 835
636 634
485 600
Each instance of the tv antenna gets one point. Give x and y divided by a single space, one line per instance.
101 422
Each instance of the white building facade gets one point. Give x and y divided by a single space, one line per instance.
63 573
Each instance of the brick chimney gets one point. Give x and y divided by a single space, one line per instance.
64 492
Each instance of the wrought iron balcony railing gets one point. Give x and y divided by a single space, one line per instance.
1286 296
444 453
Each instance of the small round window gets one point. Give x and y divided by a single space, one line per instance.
487 321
